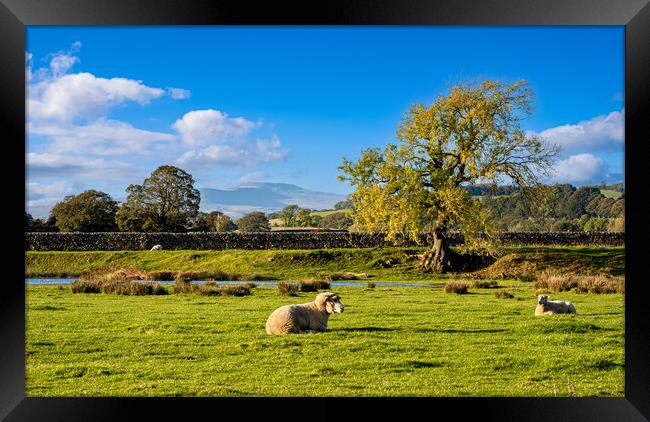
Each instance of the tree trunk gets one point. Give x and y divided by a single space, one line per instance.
440 258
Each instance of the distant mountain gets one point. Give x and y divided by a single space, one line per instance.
265 197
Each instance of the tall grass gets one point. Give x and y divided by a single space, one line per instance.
286 288
121 282
485 284
343 276
212 289
313 285
503 294
597 284
555 282
458 288
211 276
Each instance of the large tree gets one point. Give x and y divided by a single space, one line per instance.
220 222
288 215
90 211
336 220
471 135
164 202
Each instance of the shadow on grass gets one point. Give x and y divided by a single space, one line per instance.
367 329
451 330
420 330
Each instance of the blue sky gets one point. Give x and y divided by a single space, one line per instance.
107 105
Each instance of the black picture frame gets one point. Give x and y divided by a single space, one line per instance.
633 14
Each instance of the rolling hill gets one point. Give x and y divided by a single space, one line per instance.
265 197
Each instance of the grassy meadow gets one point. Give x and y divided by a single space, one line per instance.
390 341
384 264
401 341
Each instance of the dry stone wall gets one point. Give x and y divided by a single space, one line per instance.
113 241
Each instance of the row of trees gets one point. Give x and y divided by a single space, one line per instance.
165 202
559 207
294 216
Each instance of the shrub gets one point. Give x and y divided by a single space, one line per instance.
484 284
286 288
458 288
503 294
313 285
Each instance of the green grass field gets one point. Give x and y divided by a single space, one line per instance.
611 193
396 341
280 222
386 264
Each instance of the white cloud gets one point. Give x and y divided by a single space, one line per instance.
39 192
41 197
604 132
217 139
246 155
579 169
251 177
68 114
75 95
61 63
178 93
47 165
103 137
207 127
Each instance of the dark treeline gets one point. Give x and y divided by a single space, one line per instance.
559 208
168 202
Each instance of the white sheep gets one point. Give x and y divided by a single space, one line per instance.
544 307
157 248
306 317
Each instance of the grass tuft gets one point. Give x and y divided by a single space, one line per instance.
121 282
600 285
286 288
555 282
344 276
313 285
458 288
503 294
215 290
485 284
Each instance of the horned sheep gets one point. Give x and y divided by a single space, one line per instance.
305 317
546 307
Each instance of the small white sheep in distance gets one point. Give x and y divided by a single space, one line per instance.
544 307
306 317
157 248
